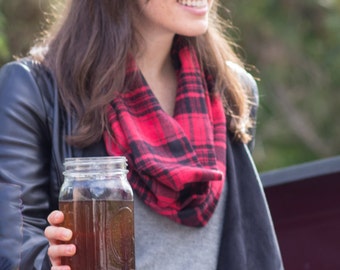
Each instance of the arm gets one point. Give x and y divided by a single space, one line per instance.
25 158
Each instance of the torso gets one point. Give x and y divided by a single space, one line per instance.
161 243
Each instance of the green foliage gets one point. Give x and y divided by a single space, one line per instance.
20 25
295 45
4 51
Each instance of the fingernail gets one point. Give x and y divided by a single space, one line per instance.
70 249
67 234
57 215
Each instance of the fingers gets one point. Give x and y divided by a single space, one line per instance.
55 252
60 268
56 234
56 217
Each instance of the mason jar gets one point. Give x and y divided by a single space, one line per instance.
97 201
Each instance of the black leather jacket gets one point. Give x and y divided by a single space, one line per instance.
32 148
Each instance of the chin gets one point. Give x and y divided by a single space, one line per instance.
194 31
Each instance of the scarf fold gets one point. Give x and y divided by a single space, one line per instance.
177 164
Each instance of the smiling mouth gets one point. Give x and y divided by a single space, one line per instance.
192 3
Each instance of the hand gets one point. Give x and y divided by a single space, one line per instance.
56 236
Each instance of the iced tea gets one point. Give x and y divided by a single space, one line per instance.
103 232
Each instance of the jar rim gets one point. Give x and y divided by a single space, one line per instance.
84 167
87 160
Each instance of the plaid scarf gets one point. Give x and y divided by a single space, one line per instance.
177 164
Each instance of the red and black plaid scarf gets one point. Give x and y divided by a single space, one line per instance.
176 163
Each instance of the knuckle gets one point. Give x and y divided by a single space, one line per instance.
48 232
53 233
57 251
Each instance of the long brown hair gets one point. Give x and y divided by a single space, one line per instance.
88 49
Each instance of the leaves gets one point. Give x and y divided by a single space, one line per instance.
4 51
296 47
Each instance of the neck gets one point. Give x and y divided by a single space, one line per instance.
154 59
157 68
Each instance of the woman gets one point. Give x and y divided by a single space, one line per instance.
143 74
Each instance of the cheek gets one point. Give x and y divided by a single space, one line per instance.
160 14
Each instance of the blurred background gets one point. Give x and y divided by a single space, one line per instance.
294 47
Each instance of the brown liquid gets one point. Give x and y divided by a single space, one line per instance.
103 232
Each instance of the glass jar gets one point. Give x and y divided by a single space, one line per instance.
97 202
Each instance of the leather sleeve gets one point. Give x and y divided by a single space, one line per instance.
25 158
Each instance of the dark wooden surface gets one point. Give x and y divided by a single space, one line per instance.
304 201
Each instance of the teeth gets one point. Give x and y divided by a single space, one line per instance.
192 3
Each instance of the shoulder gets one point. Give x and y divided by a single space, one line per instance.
12 71
24 69
249 85
20 86
247 81
17 76
17 83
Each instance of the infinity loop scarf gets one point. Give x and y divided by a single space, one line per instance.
176 163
